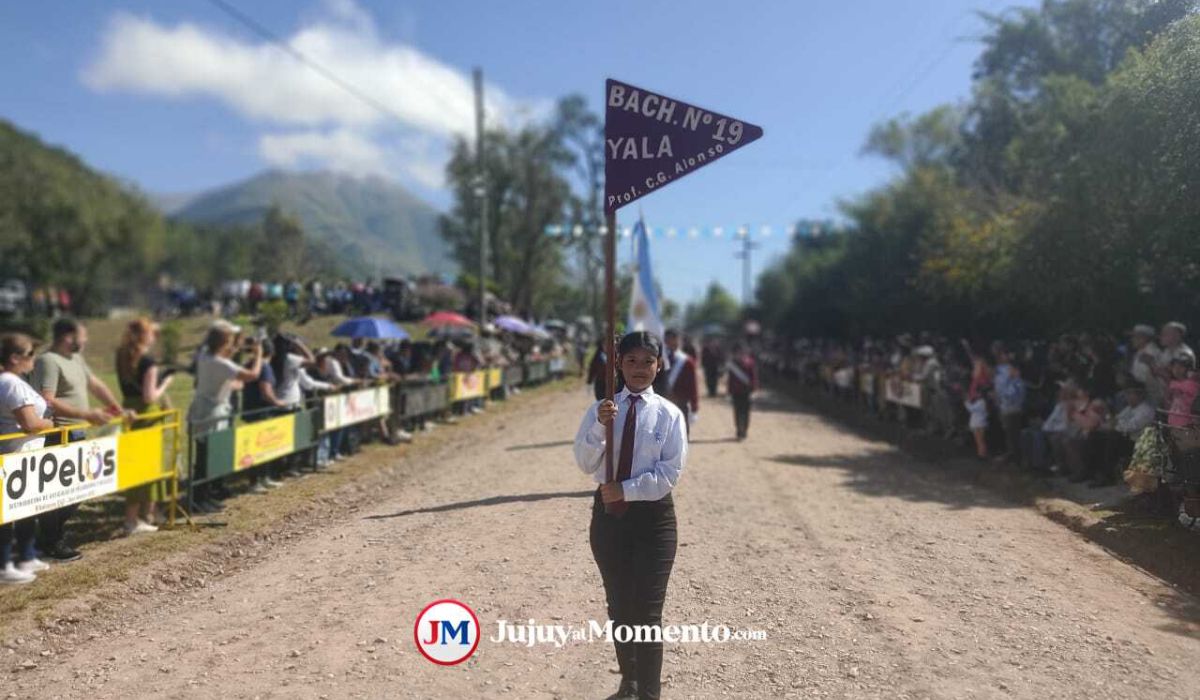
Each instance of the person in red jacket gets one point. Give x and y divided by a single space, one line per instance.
742 383
678 382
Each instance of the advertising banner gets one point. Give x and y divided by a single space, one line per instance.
263 441
42 480
466 385
357 406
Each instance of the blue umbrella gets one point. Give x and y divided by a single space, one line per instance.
368 327
513 324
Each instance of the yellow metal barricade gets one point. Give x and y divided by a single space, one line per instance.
34 481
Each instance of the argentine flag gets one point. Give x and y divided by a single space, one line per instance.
644 311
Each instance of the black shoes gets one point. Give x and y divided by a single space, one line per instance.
206 507
627 691
61 552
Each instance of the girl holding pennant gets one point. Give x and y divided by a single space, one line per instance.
632 533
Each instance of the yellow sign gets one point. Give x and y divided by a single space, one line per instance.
41 480
145 457
466 385
495 378
255 443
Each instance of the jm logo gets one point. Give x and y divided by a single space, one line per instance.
446 632
449 631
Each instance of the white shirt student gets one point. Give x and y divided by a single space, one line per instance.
660 447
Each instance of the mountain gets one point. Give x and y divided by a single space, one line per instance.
65 224
375 225
170 202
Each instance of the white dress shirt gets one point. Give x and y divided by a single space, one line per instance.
1133 419
660 446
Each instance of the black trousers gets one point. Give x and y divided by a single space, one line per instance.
741 413
635 553
1013 424
712 375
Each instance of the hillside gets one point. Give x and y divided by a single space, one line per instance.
64 224
375 225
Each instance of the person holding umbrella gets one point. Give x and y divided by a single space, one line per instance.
633 532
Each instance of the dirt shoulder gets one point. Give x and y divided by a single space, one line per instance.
1108 517
116 568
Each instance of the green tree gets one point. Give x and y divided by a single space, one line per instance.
717 307
526 192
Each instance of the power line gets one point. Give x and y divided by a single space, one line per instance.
261 30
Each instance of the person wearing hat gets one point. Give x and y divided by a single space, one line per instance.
929 374
1145 360
632 533
217 377
1173 346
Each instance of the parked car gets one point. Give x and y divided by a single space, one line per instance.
14 298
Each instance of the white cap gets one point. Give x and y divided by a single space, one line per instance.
1144 329
222 324
924 351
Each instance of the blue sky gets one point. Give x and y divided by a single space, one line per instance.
178 97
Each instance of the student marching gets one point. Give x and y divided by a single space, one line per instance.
632 530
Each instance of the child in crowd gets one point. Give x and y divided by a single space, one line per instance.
1182 391
977 410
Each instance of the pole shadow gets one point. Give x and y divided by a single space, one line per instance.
491 501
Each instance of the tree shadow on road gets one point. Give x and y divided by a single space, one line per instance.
891 473
492 501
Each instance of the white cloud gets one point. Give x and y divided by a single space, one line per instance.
341 149
419 159
423 97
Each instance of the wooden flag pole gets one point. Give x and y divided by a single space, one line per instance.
610 329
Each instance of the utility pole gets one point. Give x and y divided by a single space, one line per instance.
481 194
744 255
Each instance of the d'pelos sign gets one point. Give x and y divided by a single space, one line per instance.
42 480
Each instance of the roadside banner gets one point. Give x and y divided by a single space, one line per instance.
356 406
42 480
466 385
262 441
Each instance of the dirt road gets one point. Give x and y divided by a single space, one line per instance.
871 577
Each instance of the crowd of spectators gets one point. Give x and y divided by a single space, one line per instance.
238 374
241 373
1077 406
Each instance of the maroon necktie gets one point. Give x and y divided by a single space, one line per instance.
625 461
